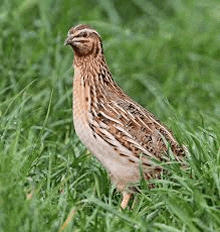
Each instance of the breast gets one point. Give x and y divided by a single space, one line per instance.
121 171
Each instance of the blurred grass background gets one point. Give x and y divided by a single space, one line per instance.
165 55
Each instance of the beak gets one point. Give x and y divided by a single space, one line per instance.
68 41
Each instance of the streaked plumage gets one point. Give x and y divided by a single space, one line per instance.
117 130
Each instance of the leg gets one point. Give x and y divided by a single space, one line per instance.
125 200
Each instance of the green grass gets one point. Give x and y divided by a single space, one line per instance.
165 55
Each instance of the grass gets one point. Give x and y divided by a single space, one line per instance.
165 56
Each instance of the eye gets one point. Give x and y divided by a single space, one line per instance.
83 34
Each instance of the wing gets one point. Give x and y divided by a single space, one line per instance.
131 129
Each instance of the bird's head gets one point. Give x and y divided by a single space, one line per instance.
84 40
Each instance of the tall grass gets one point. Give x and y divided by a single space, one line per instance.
165 55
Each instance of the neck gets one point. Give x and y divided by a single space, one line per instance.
92 67
92 78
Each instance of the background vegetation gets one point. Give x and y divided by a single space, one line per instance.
166 55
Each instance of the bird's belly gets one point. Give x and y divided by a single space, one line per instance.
121 171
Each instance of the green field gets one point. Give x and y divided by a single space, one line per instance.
166 55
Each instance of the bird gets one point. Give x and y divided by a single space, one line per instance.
125 137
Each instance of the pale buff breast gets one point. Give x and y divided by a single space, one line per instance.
122 172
